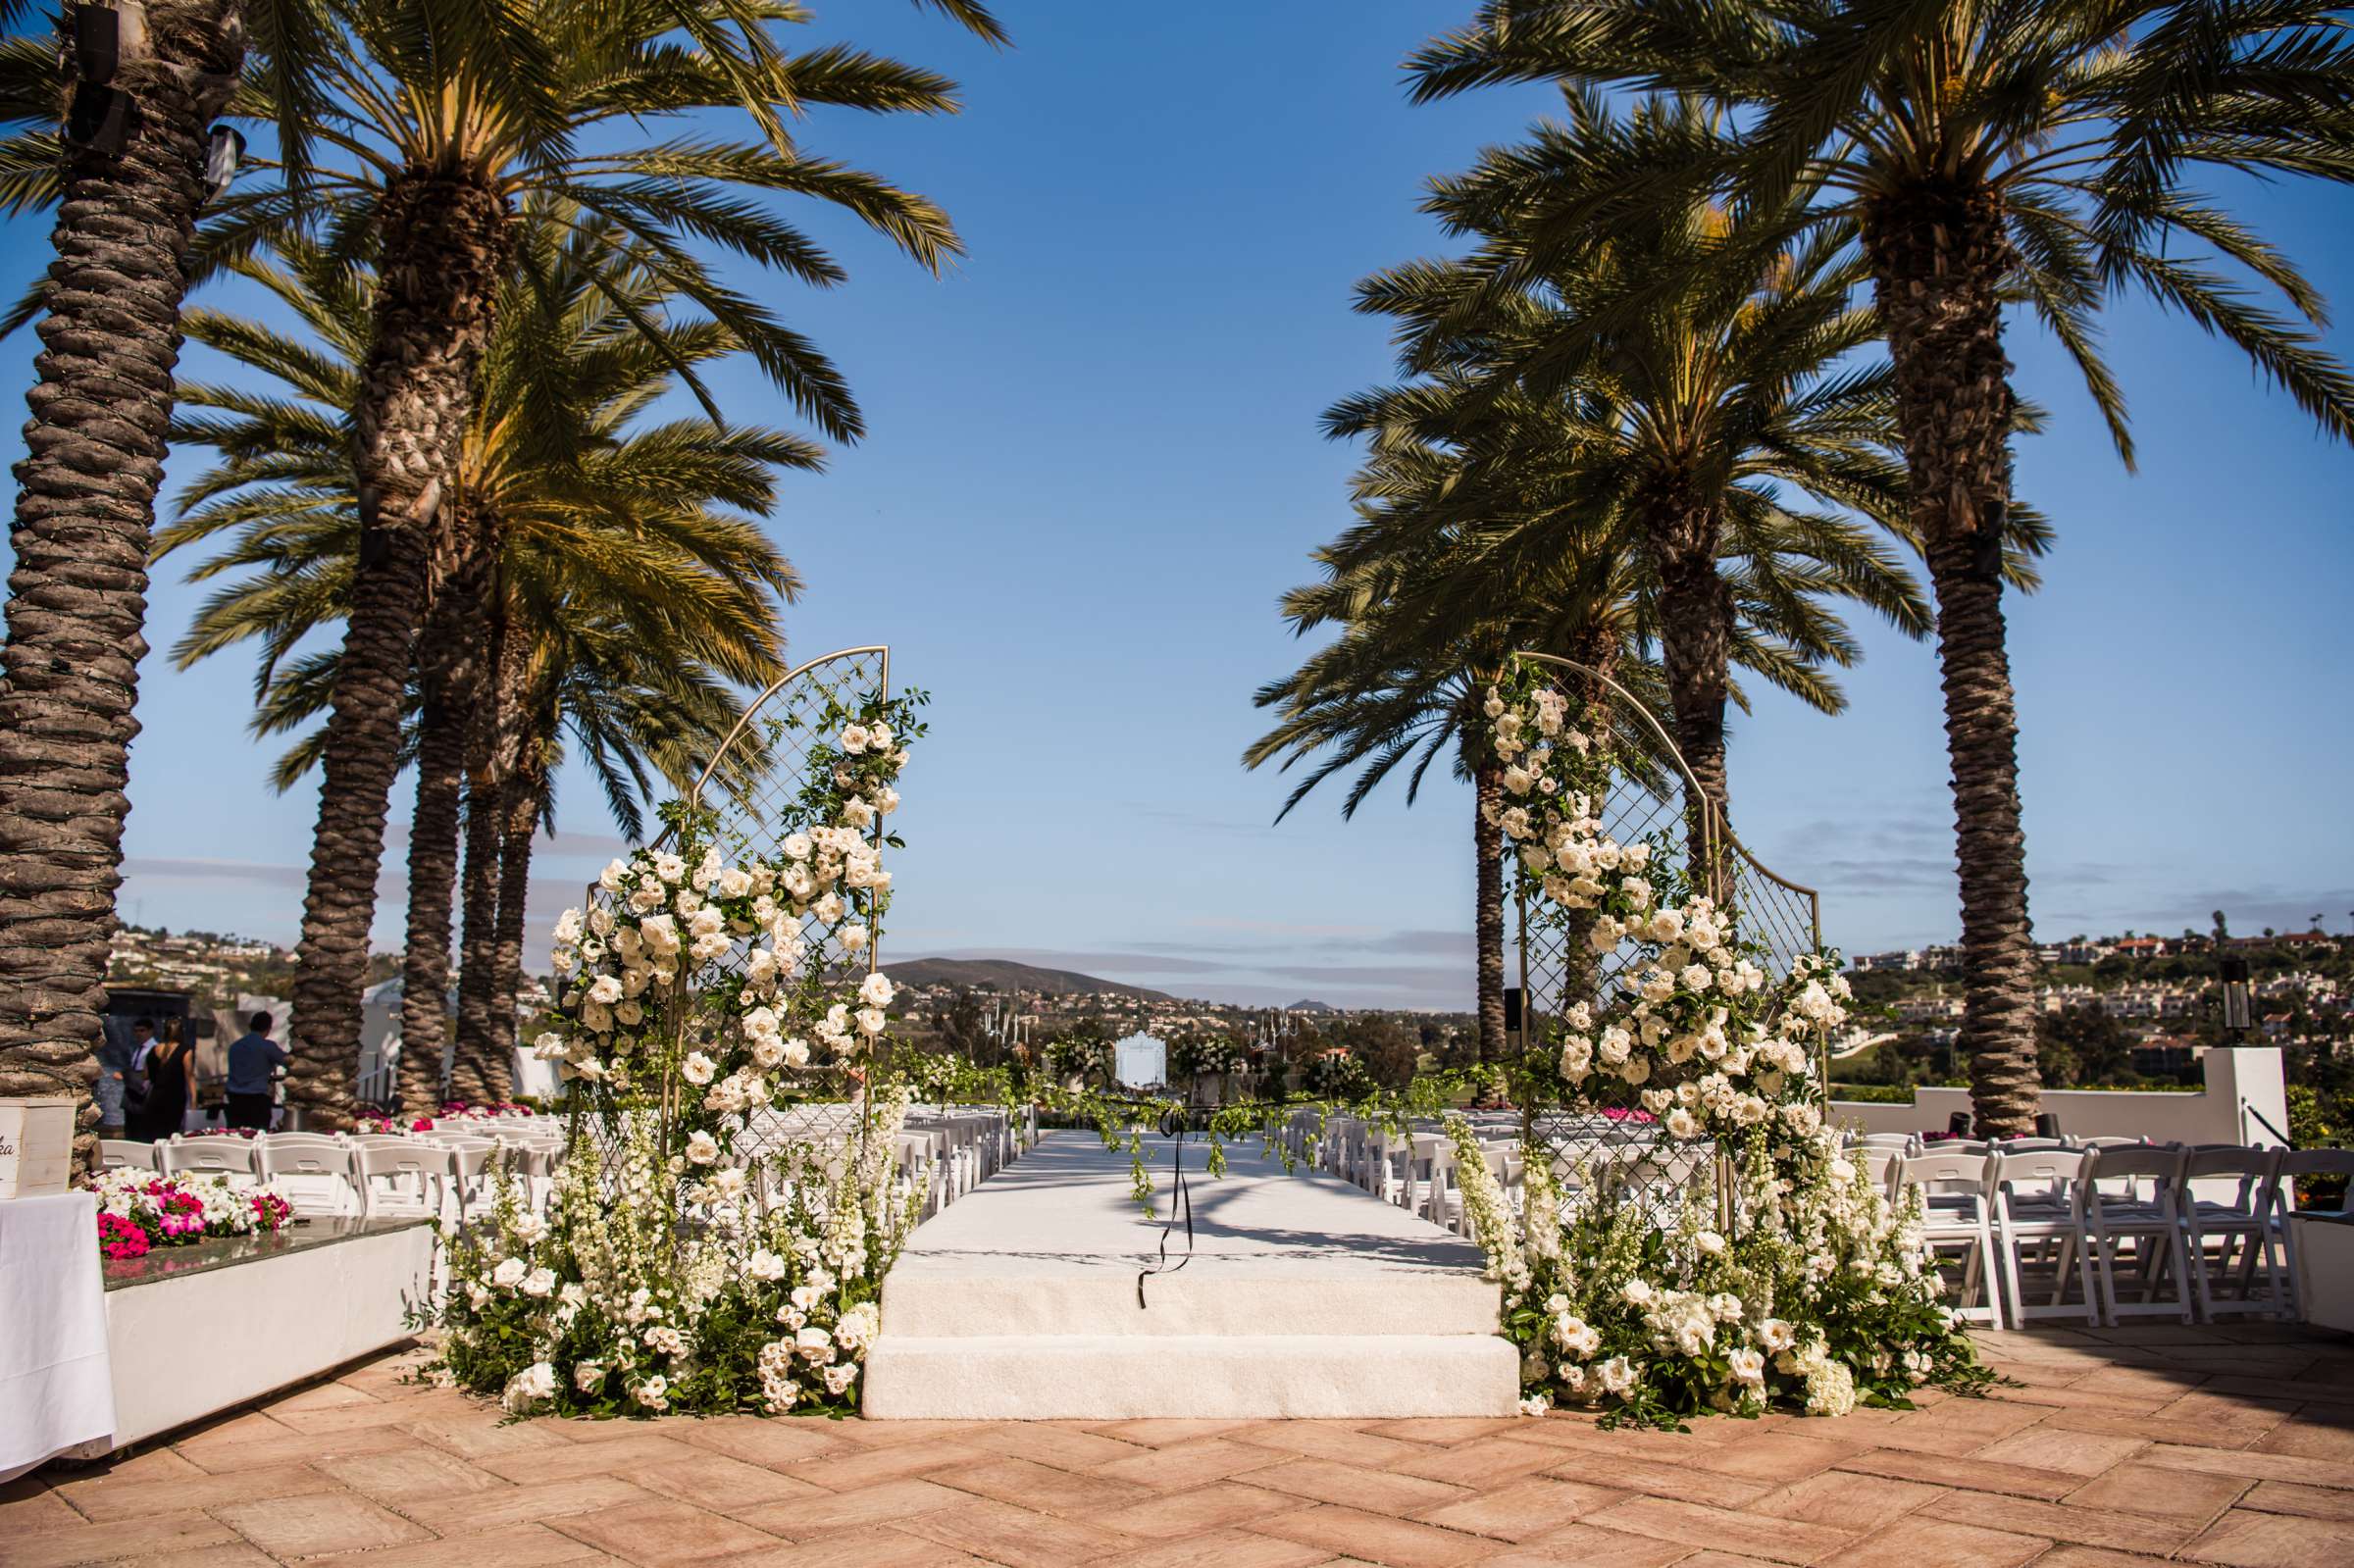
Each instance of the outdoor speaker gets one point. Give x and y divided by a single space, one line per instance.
1957 1124
2047 1124
98 44
99 118
1511 1009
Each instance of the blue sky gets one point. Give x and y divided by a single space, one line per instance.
1095 464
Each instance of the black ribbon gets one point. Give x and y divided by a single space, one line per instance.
1173 1125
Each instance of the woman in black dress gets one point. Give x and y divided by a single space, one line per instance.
172 1085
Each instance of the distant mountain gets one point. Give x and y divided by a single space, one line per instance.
1006 976
1311 1008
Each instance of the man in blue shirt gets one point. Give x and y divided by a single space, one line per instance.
253 1060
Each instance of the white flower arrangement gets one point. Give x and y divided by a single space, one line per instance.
666 1277
1804 1285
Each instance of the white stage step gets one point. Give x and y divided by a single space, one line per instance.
1107 1377
1304 1296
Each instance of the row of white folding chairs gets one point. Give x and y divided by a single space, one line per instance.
2010 1213
1916 1144
1413 1167
943 1151
357 1175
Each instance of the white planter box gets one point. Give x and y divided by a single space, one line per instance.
36 1146
2325 1247
187 1345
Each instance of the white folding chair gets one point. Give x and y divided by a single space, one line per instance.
2241 1226
1885 1167
231 1158
416 1177
121 1153
311 1170
2295 1163
1955 1189
470 1160
2119 1215
2040 1223
1442 1202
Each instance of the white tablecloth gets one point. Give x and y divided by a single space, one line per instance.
55 1386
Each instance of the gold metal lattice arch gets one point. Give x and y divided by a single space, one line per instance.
1783 916
759 770
750 787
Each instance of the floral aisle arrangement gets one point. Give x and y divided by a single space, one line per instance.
450 1111
1798 1281
648 1289
691 1256
1195 1054
139 1210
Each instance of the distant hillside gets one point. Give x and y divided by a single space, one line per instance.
1007 976
1311 1008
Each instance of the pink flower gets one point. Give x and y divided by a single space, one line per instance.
119 1237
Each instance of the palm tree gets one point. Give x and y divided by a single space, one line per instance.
580 509
442 118
1394 689
1696 418
1475 497
127 197
2032 152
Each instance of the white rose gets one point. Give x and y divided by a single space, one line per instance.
669 866
699 1069
852 938
766 1265
613 876
702 1149
540 1283
876 991
509 1273
589 1375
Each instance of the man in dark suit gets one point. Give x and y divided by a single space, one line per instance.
113 1083
254 1059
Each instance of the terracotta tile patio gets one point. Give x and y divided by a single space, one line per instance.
2232 1445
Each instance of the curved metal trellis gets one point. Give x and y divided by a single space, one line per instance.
754 780
1559 970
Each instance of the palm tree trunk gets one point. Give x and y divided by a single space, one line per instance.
490 773
1487 846
85 508
1939 258
443 250
449 671
523 788
1696 634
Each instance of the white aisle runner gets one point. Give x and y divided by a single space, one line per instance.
1302 1296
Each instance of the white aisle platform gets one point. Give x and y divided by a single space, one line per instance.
1304 1296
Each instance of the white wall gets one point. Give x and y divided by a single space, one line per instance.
2241 1085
